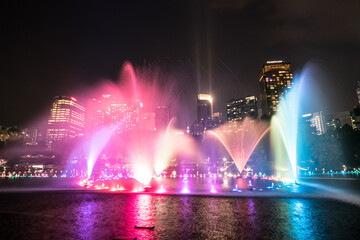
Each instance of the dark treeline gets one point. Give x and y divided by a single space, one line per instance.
331 151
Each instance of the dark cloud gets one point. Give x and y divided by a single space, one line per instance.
228 4
322 21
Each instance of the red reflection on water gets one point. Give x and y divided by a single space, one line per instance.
144 216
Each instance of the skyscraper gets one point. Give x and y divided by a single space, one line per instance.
356 118
204 108
66 121
316 120
217 119
239 108
111 110
34 136
275 79
337 120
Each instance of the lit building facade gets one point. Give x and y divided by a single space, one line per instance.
317 121
217 119
204 108
356 118
66 121
34 136
276 78
204 117
197 131
355 115
108 110
337 120
239 108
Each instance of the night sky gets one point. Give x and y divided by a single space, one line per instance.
51 48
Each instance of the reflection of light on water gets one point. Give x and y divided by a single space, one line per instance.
85 219
212 189
301 220
144 209
251 210
336 193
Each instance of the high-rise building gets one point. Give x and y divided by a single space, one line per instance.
337 120
204 117
275 80
109 110
34 136
355 115
66 121
239 108
356 118
332 124
197 130
217 119
316 120
204 108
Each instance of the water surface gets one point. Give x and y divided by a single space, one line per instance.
97 215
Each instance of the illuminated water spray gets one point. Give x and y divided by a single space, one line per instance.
164 148
241 138
95 146
171 143
133 100
284 132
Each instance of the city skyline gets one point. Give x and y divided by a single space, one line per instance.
215 47
233 101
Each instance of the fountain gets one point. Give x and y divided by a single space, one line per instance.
122 126
284 133
122 143
95 145
241 138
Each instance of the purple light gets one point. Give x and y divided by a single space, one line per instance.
212 189
185 191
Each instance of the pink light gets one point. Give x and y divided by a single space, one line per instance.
147 153
185 190
161 190
212 189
